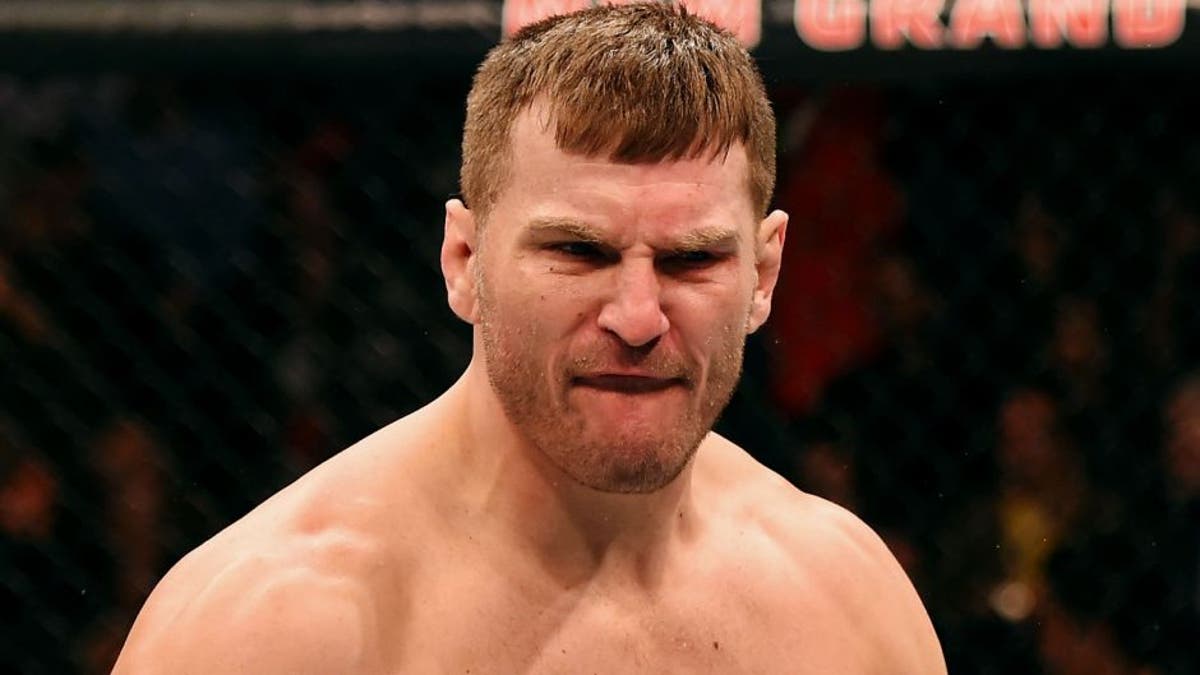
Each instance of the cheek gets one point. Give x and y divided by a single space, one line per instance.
712 313
710 329
540 319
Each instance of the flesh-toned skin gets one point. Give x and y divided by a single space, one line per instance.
478 535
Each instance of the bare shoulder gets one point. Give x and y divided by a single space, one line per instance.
252 615
293 587
840 558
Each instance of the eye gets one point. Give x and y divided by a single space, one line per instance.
579 250
689 260
693 257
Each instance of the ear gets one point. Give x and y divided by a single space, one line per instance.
459 248
769 249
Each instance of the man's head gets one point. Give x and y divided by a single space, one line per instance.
638 83
622 159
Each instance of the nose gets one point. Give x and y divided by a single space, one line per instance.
634 313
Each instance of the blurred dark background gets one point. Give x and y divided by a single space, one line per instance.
219 267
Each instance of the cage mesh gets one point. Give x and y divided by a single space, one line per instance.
982 341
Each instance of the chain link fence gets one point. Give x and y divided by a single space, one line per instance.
984 343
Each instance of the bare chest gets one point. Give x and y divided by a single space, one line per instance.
481 623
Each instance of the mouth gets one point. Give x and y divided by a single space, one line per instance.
627 384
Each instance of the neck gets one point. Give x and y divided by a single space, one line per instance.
576 533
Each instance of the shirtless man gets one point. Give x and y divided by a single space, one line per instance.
564 507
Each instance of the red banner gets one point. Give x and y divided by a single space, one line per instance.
743 18
840 25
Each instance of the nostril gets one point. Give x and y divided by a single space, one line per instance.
644 348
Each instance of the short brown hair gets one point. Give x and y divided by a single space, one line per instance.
645 82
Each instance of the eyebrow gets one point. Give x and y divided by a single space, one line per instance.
698 239
708 238
576 229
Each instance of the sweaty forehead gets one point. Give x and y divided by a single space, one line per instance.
539 170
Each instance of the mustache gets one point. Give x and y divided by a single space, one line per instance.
657 362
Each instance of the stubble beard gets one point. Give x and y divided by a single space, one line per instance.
630 459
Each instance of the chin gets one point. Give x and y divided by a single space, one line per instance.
627 464
631 479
